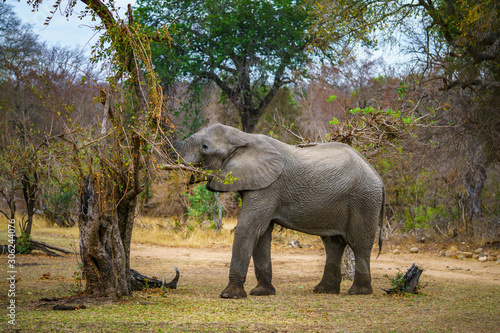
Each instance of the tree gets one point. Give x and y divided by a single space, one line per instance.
18 44
25 158
455 42
248 48
113 155
470 32
18 48
469 28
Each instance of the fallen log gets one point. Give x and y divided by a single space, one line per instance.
35 246
52 247
409 283
41 246
139 281
64 307
44 247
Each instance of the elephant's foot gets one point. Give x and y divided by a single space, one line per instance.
263 290
360 290
233 291
323 288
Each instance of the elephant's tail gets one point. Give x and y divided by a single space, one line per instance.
382 218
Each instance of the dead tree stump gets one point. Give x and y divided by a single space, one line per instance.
409 282
139 281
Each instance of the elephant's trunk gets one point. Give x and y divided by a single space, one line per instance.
179 146
187 150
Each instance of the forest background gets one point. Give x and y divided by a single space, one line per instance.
300 71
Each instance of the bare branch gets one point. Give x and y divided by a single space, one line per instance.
185 168
97 140
480 84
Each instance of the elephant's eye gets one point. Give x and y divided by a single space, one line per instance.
204 146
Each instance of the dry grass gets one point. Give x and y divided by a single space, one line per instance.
446 304
43 231
454 300
160 231
163 232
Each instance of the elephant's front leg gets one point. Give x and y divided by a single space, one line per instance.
256 215
263 267
243 245
253 222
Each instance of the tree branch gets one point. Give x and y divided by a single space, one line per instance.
185 168
60 249
231 94
277 84
480 84
102 11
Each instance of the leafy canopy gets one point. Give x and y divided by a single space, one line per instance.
461 39
248 48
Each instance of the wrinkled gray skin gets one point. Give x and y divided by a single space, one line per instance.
327 190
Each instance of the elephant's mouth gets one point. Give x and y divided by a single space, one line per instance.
193 164
209 164
191 161
202 164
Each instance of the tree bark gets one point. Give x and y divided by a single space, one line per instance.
218 218
126 216
474 181
348 264
29 188
102 251
247 123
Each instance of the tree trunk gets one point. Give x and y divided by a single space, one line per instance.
474 180
105 261
140 282
126 216
348 264
218 210
247 121
30 189
409 282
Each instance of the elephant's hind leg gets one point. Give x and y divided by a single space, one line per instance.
332 276
362 278
262 263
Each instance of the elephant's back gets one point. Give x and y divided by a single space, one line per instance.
325 181
332 157
326 168
338 155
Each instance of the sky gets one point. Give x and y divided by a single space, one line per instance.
75 33
71 32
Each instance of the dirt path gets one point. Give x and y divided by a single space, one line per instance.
460 295
311 261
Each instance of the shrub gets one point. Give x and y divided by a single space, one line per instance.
58 201
23 244
202 204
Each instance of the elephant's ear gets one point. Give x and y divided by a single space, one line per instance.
254 165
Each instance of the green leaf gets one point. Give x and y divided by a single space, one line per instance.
331 98
334 121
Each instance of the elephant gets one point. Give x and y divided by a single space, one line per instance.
328 190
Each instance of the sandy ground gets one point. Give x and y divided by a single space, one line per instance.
308 263
458 295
